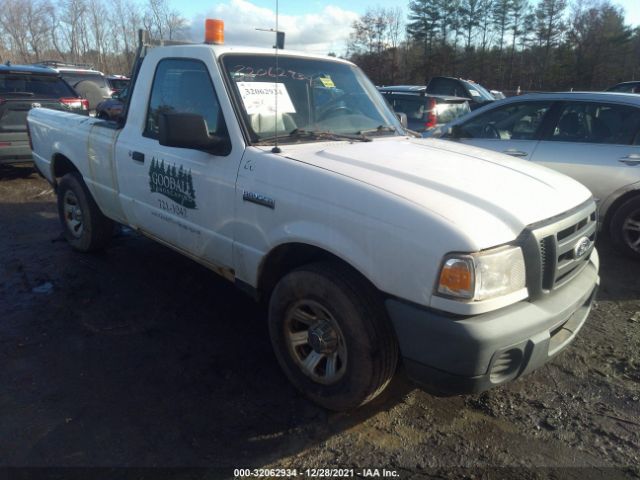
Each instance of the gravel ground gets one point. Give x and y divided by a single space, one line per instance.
139 357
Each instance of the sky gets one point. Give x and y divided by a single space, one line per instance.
311 25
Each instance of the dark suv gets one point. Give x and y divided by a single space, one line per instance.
423 111
23 87
458 87
89 83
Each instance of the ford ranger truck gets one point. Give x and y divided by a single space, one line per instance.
301 186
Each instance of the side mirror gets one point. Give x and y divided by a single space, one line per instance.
186 130
403 118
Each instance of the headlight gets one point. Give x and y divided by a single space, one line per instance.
483 275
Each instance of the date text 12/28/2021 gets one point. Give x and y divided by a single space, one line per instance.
315 472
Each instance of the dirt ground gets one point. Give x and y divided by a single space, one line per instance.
139 357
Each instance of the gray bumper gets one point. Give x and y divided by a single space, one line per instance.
471 354
18 152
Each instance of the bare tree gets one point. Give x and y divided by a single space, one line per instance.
14 22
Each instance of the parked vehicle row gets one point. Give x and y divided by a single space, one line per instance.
74 88
424 111
89 83
459 87
592 137
21 89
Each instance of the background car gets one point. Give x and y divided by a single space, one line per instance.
90 84
459 87
592 137
23 87
117 83
626 87
112 108
424 111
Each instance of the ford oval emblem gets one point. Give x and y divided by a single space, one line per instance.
582 246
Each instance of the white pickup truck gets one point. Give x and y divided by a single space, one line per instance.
368 245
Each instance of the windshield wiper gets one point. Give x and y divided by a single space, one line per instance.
316 135
378 129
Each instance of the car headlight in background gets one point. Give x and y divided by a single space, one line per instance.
484 275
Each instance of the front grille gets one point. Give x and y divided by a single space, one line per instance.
563 250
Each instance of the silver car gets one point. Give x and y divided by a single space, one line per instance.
592 137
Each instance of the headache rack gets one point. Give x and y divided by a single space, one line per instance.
145 43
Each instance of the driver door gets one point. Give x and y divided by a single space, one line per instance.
512 129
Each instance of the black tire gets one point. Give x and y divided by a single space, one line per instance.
625 228
91 230
367 336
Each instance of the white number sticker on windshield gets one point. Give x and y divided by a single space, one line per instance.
474 92
260 97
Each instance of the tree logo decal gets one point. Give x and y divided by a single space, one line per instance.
174 183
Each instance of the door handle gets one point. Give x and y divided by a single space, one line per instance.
138 156
515 153
631 159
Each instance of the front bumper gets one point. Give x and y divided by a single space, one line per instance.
455 355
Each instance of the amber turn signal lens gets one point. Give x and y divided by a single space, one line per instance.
457 278
214 31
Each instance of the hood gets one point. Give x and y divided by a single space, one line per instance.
489 197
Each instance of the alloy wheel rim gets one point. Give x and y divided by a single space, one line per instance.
315 342
73 214
631 230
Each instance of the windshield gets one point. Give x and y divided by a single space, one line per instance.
314 95
118 83
478 90
39 85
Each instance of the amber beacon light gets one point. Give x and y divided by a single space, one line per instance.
214 31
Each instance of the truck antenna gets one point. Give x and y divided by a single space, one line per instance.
276 148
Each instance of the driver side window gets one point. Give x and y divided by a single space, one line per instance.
518 121
183 86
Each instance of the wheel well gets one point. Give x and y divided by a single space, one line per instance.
62 165
606 224
285 258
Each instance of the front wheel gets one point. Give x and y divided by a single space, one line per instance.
331 335
625 228
84 226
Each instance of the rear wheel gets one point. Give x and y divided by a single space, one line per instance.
84 226
332 336
625 227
